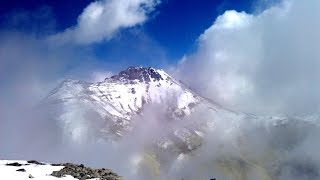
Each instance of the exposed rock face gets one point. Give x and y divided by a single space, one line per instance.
138 73
81 172
35 162
14 164
21 170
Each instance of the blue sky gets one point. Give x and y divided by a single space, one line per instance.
170 31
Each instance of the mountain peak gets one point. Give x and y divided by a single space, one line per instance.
106 109
139 73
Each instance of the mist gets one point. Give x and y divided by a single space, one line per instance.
264 63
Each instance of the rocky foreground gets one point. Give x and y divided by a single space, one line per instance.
82 172
22 170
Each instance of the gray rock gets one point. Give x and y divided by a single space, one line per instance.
21 170
81 172
35 162
14 164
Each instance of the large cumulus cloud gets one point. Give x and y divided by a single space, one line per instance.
264 63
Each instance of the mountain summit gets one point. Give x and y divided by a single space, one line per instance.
139 73
106 110
120 97
168 123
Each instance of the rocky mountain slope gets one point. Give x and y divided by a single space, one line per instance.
105 110
178 121
111 104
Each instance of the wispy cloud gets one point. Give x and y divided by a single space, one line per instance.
101 20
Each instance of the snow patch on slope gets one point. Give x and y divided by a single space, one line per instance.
38 172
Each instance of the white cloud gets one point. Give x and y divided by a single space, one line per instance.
98 76
264 63
100 20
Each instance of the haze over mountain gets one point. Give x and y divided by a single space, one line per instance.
108 109
173 123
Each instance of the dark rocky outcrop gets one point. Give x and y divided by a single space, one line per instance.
14 164
138 73
81 172
35 162
21 170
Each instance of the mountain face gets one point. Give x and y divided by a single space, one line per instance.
179 121
110 109
105 110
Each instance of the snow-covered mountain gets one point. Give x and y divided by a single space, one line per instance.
113 102
105 110
124 95
182 126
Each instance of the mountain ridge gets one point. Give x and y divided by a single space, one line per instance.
169 122
119 98
106 110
